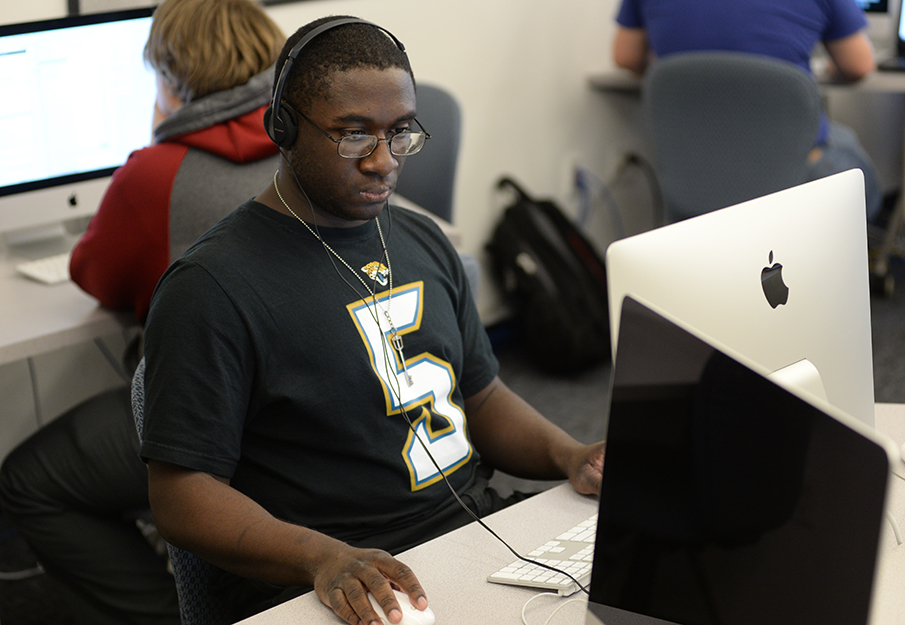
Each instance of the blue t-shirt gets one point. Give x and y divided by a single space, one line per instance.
783 29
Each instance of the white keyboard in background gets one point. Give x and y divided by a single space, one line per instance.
572 552
49 270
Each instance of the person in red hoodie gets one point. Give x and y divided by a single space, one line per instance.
75 489
209 149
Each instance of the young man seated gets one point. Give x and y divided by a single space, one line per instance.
316 367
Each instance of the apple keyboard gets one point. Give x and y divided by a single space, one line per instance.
49 270
571 552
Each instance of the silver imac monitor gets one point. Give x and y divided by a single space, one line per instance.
78 98
782 279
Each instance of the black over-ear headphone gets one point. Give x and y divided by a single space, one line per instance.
280 121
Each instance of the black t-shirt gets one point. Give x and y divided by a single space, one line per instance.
265 365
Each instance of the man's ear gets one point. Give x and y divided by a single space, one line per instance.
167 102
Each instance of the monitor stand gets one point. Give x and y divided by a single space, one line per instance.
801 375
42 241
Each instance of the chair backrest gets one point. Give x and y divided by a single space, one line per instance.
428 178
194 576
221 186
727 127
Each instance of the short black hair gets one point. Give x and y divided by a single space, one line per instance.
342 48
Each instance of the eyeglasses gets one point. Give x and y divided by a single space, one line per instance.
403 143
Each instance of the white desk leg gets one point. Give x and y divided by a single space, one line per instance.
39 416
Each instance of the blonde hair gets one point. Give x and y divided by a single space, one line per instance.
203 46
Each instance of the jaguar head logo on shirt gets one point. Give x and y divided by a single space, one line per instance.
377 271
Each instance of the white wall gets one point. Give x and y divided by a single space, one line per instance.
15 12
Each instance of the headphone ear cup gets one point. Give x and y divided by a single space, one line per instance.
283 127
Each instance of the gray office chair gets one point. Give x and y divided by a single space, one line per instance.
194 576
428 179
727 127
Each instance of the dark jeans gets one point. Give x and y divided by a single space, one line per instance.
74 490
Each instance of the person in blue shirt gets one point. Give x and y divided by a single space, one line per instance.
788 30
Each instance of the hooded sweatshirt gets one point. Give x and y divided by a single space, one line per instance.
209 157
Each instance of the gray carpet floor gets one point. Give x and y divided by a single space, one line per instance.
888 329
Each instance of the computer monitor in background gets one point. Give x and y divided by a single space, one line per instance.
78 98
782 280
874 6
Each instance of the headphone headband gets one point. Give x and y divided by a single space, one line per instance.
280 126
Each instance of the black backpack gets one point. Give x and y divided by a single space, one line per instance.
555 281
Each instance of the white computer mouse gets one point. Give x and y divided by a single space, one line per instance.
410 614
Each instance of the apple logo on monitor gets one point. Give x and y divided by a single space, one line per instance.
73 200
771 280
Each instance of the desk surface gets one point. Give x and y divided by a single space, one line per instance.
37 318
623 81
880 81
452 568
615 81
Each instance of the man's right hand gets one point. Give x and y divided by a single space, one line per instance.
343 584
